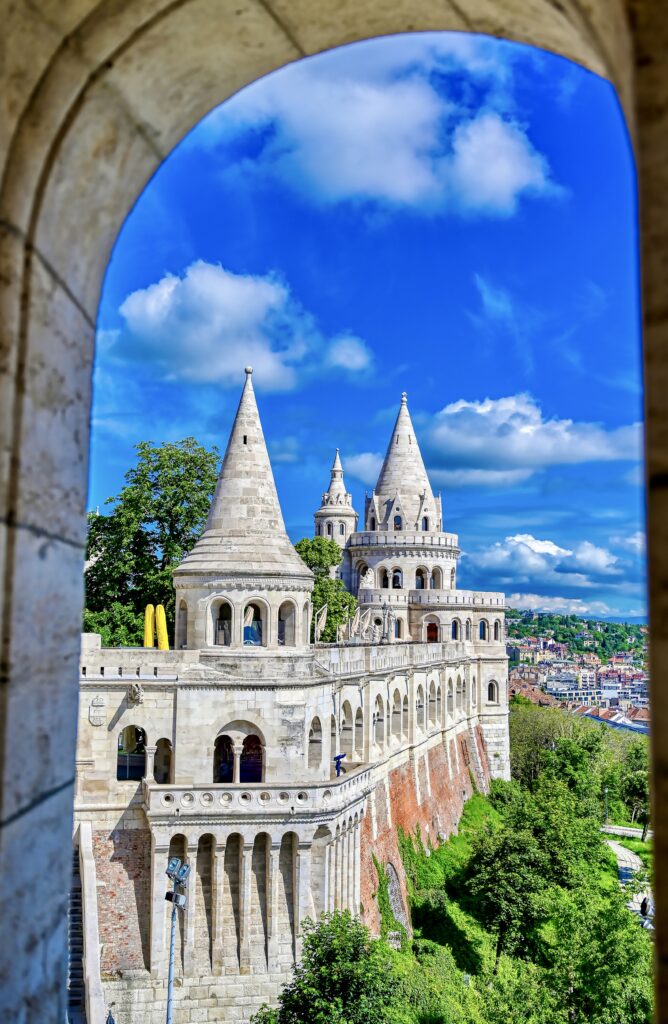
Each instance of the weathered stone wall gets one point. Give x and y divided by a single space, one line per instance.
123 863
427 792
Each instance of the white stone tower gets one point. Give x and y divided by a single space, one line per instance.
336 519
243 584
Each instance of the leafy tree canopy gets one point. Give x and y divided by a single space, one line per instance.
322 556
155 520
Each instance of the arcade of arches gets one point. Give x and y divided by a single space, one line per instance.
95 94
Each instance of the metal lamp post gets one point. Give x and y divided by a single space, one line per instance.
178 873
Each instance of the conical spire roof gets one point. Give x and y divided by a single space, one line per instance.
403 473
245 533
336 484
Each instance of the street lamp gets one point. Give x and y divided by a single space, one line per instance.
384 610
178 873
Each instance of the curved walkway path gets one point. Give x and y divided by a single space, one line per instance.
628 864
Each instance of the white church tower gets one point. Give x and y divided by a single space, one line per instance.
336 519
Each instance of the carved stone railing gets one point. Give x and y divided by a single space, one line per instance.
258 799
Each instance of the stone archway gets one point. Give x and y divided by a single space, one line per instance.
95 95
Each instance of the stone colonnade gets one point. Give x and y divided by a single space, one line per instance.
248 893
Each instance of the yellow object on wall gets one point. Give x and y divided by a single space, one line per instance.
161 628
149 626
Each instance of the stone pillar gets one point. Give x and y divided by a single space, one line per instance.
217 888
330 875
357 867
302 892
159 858
339 872
411 709
350 853
190 913
236 771
245 906
149 764
273 875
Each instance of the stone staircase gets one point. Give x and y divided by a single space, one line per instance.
76 1003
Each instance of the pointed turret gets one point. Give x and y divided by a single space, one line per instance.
243 585
245 532
336 518
403 494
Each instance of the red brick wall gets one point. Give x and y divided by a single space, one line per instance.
438 812
123 864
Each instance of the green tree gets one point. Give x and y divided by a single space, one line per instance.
600 960
344 977
506 872
154 522
635 783
322 556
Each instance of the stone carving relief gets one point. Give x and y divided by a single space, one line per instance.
135 693
97 711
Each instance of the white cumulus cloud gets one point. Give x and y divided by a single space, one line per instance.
365 466
559 605
349 353
385 130
526 559
513 434
208 323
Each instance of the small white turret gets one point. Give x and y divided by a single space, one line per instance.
336 518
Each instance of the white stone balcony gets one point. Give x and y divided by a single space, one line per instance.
165 803
473 599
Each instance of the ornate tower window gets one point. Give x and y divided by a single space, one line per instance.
425 522
397 523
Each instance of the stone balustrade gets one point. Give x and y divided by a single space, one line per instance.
370 538
250 800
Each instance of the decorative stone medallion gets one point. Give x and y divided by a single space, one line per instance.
97 711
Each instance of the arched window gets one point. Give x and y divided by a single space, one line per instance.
131 758
460 693
224 625
484 631
425 523
223 759
396 716
493 693
181 626
342 529
419 708
162 765
497 630
468 629
287 620
432 703
372 523
456 629
384 579
315 744
404 718
432 632
379 721
439 704
347 730
255 631
358 736
397 629
250 762
451 697
436 581
397 579
397 523
319 530
329 529
420 578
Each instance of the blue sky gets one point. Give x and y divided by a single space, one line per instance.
447 215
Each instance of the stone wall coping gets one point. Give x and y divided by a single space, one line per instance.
478 599
94 994
179 802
